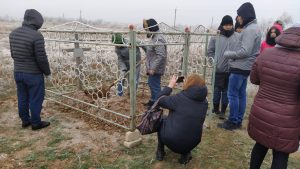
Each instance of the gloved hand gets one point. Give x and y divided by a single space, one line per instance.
48 78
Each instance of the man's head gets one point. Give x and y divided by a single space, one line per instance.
150 25
117 38
246 14
33 18
227 23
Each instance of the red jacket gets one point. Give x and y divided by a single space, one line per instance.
274 119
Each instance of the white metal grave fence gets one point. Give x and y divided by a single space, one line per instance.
84 68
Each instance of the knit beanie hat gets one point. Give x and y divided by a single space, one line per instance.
117 38
150 24
227 20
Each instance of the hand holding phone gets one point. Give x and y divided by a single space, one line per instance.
172 82
180 79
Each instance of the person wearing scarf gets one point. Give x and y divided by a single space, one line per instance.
228 40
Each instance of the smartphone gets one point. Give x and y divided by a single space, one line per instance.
180 79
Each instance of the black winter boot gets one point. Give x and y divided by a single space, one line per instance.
160 152
223 111
42 124
216 109
185 158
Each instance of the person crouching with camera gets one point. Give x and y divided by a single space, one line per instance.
181 130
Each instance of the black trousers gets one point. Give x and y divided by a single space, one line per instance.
280 159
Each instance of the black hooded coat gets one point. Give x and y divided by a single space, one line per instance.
181 131
27 45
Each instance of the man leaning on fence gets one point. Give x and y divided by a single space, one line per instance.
30 66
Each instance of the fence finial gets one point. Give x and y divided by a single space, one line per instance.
187 30
131 27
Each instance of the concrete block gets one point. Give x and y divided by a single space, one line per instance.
130 144
132 136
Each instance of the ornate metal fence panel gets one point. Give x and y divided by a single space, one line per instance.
6 63
85 74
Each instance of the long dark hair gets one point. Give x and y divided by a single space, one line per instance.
269 39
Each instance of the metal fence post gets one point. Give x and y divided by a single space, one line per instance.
186 51
132 76
205 59
78 54
213 81
214 67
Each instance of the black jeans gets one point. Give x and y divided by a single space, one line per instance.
280 159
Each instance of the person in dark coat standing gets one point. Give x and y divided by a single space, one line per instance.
228 40
31 64
181 130
274 121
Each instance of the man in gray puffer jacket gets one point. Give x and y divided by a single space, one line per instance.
156 59
240 64
30 65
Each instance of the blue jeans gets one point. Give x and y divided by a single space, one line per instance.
120 88
237 97
154 84
31 93
220 93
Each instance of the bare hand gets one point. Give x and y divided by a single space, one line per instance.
151 72
172 81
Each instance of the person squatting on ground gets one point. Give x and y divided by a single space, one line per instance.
273 32
240 63
228 40
31 64
156 59
274 121
181 130
123 61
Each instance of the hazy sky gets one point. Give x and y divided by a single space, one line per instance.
189 12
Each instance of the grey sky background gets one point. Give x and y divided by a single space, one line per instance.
189 12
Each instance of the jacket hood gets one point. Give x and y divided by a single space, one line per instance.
33 18
151 25
247 12
290 38
198 93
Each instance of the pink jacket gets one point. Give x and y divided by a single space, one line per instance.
264 45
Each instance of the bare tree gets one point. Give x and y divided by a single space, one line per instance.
286 18
265 25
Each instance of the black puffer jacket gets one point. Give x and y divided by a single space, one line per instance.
181 131
27 45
